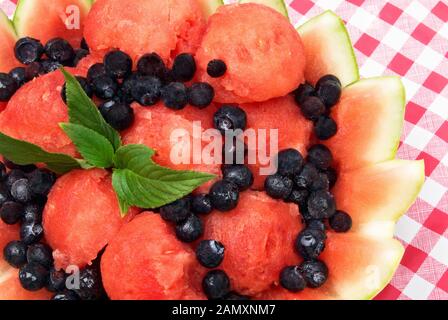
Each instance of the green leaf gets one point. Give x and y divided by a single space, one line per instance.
94 148
83 111
24 153
133 156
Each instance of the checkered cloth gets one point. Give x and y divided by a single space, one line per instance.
408 38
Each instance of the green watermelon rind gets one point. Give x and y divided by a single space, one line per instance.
341 45
209 7
278 5
7 24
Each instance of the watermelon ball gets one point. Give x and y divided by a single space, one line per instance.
151 64
184 67
8 86
201 204
190 230
341 221
216 284
321 205
291 279
230 117
96 70
310 243
177 211
290 162
15 253
278 186
130 265
216 68
40 253
31 232
263 53
210 253
18 74
320 156
325 128
118 114
56 280
312 108
201 95
66 295
304 91
33 276
118 64
315 273
21 191
329 90
59 50
307 176
28 50
298 196
84 85
175 95
104 87
239 175
146 90
224 195
11 212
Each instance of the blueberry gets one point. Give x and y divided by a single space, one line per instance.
8 86
11 212
341 221
59 50
278 187
325 128
50 65
40 253
4 194
25 168
312 108
239 174
290 162
95 71
234 151
321 205
233 296
201 204
304 91
84 44
41 181
79 55
84 85
146 90
15 253
210 253
315 273
320 183
329 89
190 230
21 191
33 276
33 213
201 95
118 114
216 68
118 64
33 70
125 91
292 280
332 176
3 173
304 212
224 195
13 176
174 95
316 225
230 117
19 75
310 243
28 50
31 232
66 295
216 284
184 67
104 87
151 64
298 196
56 280
90 285
177 211
320 156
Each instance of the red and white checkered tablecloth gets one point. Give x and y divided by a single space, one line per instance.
410 39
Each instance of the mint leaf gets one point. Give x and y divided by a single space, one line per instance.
24 153
135 156
83 111
94 148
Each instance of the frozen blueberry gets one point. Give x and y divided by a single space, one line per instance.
321 205
95 71
19 75
315 273
201 204
11 212
104 87
8 86
33 213
184 67
278 187
320 183
15 253
310 243
239 174
13 176
56 280
4 194
90 285
190 230
329 89
216 68
175 96
84 85
31 232
79 55
177 211
28 50
316 225
320 156
216 284
224 195
118 64
304 91
40 253
312 108
59 50
146 90
118 114
34 70
33 276
298 196
292 280
50 65
210 253
41 181
66 295
325 128
230 117
332 176
201 95
341 221
21 191
290 162
151 64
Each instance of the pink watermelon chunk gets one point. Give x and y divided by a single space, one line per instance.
8 39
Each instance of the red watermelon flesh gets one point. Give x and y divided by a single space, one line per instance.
145 261
8 39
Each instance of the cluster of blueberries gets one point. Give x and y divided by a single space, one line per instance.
23 194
